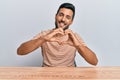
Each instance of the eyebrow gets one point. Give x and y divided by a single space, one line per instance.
66 15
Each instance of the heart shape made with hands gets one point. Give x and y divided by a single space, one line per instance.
63 38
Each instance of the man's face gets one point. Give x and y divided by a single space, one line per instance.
64 18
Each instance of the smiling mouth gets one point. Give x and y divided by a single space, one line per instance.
61 24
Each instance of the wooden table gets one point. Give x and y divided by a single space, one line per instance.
59 73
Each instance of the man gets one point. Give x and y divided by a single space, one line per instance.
60 44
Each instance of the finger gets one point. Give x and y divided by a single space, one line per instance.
59 31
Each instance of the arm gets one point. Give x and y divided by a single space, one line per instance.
87 54
84 51
32 45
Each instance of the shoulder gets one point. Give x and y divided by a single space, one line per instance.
78 36
80 39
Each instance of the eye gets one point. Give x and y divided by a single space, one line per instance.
68 17
60 14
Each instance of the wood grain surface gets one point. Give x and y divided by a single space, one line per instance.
59 73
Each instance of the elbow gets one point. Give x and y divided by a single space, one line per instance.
92 61
95 62
20 52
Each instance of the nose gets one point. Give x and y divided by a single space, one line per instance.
63 18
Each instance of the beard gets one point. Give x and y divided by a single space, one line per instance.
56 25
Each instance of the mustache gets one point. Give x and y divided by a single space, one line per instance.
62 22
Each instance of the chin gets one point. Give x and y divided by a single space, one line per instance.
65 27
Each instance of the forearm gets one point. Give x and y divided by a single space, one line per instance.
33 44
87 54
30 46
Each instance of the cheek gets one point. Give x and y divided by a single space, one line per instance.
68 22
57 18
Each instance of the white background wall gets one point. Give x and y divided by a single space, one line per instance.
97 21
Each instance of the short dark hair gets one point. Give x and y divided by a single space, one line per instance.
68 6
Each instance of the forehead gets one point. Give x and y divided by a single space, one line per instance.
66 11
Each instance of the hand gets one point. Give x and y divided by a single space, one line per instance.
72 40
57 31
52 35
